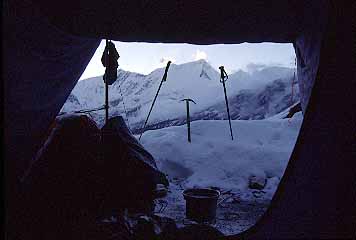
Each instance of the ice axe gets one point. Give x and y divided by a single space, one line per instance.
223 80
187 100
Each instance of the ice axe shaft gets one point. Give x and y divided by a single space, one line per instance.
164 78
187 100
188 121
223 80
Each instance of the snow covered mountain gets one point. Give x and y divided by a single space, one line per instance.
255 95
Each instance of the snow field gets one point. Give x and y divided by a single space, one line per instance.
261 148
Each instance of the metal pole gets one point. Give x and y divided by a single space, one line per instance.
223 75
228 111
164 78
188 121
106 86
106 102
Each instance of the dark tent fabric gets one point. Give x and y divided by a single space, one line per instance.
133 169
197 22
82 173
307 47
43 65
115 131
47 45
64 189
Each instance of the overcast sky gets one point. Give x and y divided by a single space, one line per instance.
146 57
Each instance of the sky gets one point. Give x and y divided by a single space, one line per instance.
146 57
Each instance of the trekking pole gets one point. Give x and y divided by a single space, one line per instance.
164 78
187 100
223 80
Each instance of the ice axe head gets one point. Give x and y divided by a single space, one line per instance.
188 100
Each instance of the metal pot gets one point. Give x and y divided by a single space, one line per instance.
201 204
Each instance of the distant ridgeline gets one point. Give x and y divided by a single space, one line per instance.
252 96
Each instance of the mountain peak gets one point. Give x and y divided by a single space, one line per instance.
202 61
196 62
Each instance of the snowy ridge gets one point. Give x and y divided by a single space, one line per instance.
252 95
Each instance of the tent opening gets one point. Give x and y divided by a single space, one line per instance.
264 107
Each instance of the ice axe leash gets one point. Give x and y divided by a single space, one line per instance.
187 100
223 79
164 78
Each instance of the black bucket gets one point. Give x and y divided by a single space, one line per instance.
201 204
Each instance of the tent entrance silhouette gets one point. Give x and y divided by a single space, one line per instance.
45 52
